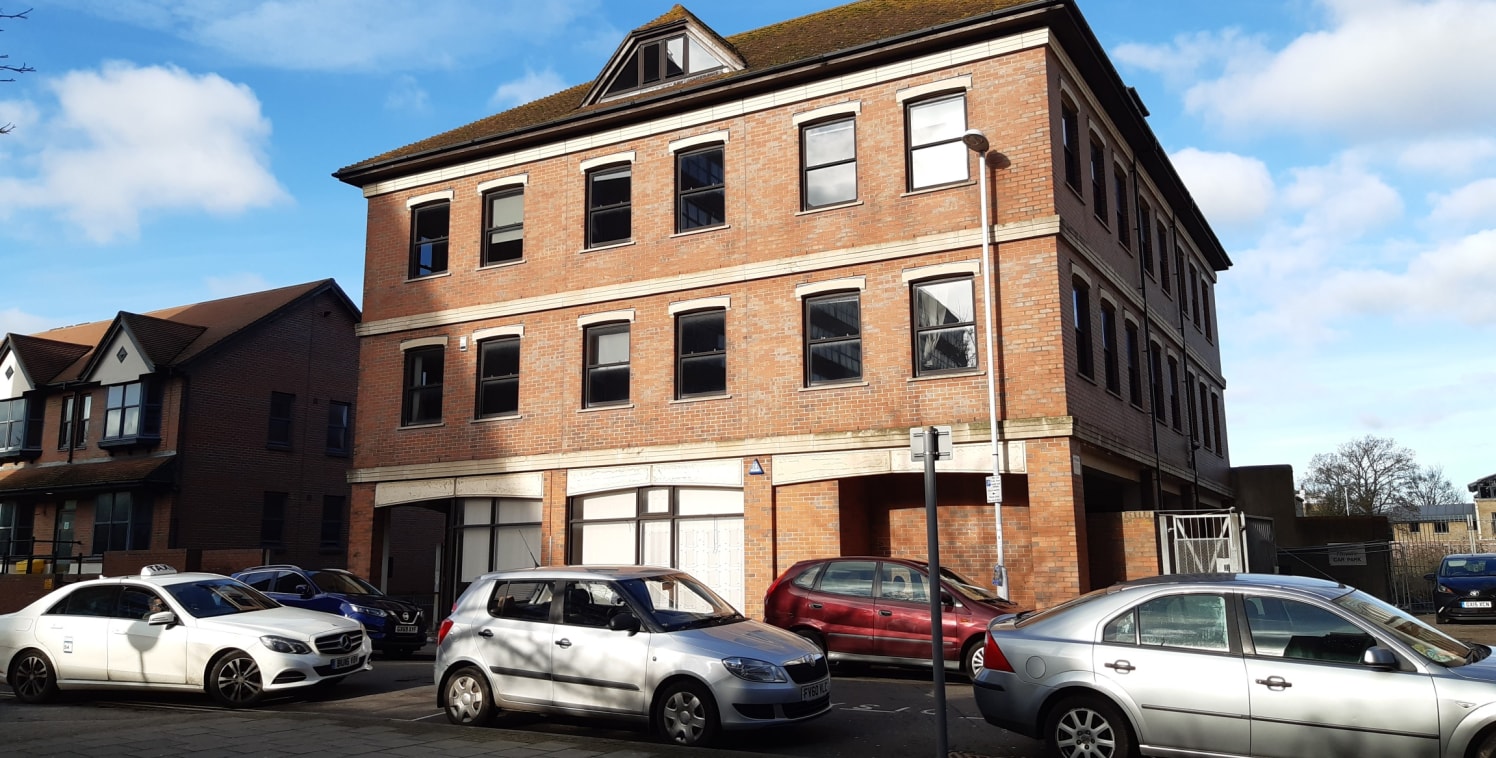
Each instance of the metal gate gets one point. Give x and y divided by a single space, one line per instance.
1202 543
1411 560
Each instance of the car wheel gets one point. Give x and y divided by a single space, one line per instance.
32 678
973 655
1088 727
685 714
469 701
1485 746
814 638
234 680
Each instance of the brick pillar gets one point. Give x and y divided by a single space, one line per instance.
758 535
553 531
1057 522
365 537
807 521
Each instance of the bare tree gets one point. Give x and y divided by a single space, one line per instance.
7 68
1363 477
1431 487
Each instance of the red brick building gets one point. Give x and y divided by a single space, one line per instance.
220 428
688 312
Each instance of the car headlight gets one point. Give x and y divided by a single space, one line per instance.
284 645
366 610
1448 590
754 670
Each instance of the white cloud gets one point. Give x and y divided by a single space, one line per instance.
1454 156
532 86
1183 60
230 285
127 141
1342 200
16 321
1232 190
406 95
1474 203
1383 68
17 113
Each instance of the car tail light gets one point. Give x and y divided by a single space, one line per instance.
993 658
441 632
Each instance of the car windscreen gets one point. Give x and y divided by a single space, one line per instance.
218 597
1429 642
968 588
343 584
678 601
1024 619
1474 565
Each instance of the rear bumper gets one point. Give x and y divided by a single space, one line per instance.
1007 702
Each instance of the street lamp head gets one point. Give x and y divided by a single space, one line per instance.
975 140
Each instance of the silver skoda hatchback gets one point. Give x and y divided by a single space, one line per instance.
652 645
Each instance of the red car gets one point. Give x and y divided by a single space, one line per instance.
877 610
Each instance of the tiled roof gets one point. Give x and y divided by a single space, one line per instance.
799 39
44 359
1443 512
172 336
81 476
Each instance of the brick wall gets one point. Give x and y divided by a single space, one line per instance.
1124 546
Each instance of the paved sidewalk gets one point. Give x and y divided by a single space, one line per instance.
64 732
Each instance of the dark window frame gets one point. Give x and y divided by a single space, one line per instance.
1164 278
1175 418
1204 395
919 329
1070 144
1134 368
273 519
1145 236
334 519
1124 221
625 206
806 169
683 359
339 428
1098 180
72 431
136 521
1215 422
1156 375
1080 302
422 264
591 365
486 380
414 388
685 197
17 525
910 148
491 227
148 413
282 420
809 344
642 67
1109 362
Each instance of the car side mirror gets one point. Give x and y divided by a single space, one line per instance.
624 621
947 599
1379 658
304 591
162 618
1429 577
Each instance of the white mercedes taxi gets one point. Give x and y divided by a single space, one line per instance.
174 631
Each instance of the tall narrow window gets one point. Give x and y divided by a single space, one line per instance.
1070 134
1134 370
1204 415
1205 308
1163 257
1145 239
829 157
1174 417
701 353
1124 223
609 205
15 528
424 371
607 377
430 226
334 510
80 432
1215 421
936 153
1195 295
281 406
273 519
504 225
1098 179
700 200
1109 347
65 429
1189 398
1080 297
833 338
339 428
498 377
945 327
1156 376
122 521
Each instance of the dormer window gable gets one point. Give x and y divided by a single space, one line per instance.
675 48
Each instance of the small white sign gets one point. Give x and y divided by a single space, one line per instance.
1347 555
994 489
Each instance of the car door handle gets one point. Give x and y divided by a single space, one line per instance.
486 633
882 612
563 642
1120 666
1275 683
816 606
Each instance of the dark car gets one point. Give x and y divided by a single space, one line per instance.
877 610
396 627
1465 588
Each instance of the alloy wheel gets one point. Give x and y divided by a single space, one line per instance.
239 680
1084 733
31 677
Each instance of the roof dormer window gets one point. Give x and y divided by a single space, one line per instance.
660 61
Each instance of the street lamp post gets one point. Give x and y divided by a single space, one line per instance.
976 141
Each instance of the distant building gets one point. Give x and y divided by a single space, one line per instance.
1436 523
219 426
686 313
1485 504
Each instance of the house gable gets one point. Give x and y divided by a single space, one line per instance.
13 379
674 48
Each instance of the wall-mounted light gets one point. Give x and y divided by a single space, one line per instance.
756 469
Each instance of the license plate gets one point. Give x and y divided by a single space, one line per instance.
813 691
1476 604
405 629
344 662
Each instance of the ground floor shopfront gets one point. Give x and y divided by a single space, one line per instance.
737 522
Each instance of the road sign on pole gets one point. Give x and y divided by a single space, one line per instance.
995 489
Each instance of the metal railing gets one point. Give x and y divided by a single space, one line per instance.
51 562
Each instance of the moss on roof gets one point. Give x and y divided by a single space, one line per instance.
829 31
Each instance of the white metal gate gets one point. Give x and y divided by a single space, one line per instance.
1202 543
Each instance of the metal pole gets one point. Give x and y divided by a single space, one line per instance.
937 642
990 308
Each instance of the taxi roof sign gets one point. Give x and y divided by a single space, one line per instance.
157 569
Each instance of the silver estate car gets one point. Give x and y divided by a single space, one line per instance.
648 644
1237 665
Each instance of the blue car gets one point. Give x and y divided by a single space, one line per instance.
1465 588
395 627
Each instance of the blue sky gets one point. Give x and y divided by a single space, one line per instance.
168 152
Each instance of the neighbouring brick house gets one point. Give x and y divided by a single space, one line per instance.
686 313
220 430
